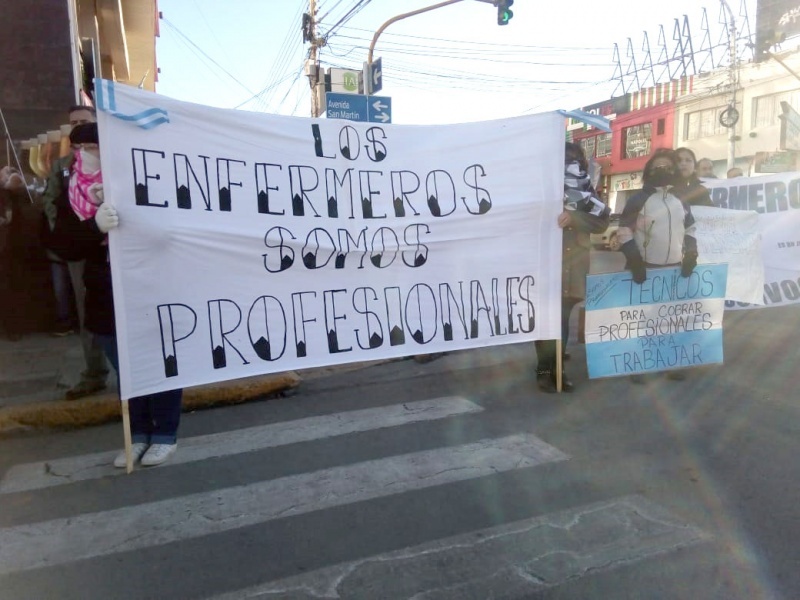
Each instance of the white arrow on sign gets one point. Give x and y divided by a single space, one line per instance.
378 105
376 77
382 117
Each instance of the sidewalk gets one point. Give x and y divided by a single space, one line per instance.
36 371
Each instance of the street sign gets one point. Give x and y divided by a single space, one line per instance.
345 81
380 109
352 107
373 77
357 107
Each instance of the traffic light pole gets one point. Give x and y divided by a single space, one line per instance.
367 89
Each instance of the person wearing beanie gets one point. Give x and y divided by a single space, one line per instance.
67 273
154 417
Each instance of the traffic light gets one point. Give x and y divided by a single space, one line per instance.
504 12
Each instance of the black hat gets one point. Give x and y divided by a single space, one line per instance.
85 133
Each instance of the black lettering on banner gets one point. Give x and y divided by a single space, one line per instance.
372 321
224 183
400 192
346 248
285 251
299 188
483 201
478 305
263 187
141 189
433 182
385 247
511 303
313 248
498 323
794 193
367 192
376 150
525 290
394 316
416 317
172 317
259 324
299 320
448 302
420 251
332 186
348 142
315 132
183 185
331 316
775 198
219 335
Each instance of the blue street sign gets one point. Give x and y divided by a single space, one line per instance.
380 109
352 107
376 77
357 107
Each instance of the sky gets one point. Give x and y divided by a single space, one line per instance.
453 64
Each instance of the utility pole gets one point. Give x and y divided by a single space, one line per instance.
309 27
730 116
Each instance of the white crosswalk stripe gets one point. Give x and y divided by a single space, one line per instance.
61 471
186 517
524 556
515 558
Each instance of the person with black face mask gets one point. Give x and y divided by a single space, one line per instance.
656 228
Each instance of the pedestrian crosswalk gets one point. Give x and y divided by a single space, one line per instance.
515 557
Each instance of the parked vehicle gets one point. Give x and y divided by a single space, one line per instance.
607 240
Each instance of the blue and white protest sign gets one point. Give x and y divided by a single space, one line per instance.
668 322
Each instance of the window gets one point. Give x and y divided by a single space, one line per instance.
588 146
636 140
603 145
703 123
767 108
660 126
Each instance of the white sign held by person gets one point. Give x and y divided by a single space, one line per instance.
732 237
776 199
668 322
251 243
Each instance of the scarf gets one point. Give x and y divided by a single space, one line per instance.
83 202
579 193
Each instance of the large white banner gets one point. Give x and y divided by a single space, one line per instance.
252 243
776 199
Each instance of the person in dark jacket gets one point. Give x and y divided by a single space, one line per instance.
687 185
584 213
657 228
154 417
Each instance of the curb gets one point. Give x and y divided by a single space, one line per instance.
104 408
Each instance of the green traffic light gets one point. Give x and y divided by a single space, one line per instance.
506 17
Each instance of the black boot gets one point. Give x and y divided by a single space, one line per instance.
545 380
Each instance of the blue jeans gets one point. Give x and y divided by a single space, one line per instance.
154 417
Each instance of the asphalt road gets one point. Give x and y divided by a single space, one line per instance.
451 479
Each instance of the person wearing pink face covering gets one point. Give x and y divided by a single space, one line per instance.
154 417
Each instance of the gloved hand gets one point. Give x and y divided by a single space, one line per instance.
106 217
688 263
635 262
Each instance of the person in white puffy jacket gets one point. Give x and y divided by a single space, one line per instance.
656 228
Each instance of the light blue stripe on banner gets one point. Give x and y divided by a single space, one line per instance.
657 353
612 290
588 118
107 102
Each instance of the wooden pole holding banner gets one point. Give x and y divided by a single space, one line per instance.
126 428
559 365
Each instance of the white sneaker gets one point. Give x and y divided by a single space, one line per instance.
157 454
137 450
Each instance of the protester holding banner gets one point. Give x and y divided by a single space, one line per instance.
584 213
154 417
687 186
656 227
